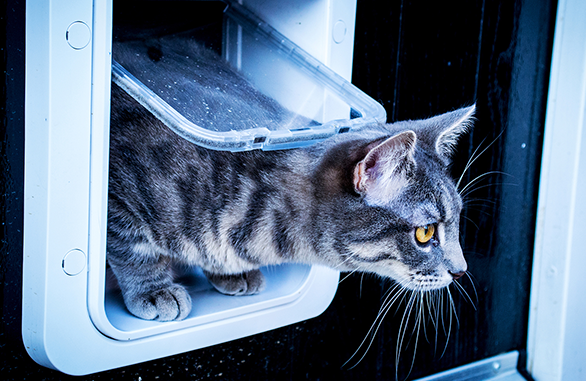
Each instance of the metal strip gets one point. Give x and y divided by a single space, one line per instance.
502 367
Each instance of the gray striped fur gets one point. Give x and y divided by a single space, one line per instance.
351 202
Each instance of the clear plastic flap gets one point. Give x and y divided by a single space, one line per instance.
271 95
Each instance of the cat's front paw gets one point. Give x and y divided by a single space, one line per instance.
166 304
248 283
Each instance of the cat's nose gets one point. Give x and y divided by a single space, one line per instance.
457 275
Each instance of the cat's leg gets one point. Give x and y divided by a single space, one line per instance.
247 283
148 288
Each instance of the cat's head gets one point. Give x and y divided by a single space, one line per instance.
404 211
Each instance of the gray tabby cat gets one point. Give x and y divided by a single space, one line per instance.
379 201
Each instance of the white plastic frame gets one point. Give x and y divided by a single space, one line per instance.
65 323
555 348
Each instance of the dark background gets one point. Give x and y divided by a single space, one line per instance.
417 58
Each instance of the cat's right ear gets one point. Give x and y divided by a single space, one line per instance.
383 168
449 127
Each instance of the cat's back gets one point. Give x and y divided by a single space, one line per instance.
152 165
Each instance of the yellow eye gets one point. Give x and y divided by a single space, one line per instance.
424 233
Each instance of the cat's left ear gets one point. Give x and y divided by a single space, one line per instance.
385 165
445 129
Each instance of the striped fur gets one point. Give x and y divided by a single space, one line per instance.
351 202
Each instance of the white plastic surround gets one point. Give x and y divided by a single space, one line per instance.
556 337
71 321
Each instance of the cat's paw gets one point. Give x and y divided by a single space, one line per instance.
248 283
166 304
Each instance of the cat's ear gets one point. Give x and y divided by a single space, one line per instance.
448 127
385 164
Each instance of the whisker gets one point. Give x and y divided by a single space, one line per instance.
480 177
478 201
469 275
470 161
378 321
453 305
474 157
433 316
447 332
420 308
344 261
464 293
417 327
480 208
402 330
474 223
475 253
431 307
388 302
348 275
452 312
470 191
438 310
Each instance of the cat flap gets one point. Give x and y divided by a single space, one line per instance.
322 102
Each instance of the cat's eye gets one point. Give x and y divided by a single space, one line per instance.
424 234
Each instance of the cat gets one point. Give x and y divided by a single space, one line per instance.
379 200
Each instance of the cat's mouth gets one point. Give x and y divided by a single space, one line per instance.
430 280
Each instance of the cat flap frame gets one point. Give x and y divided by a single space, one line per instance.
65 322
278 68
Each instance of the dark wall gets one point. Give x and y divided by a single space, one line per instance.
418 59
11 175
